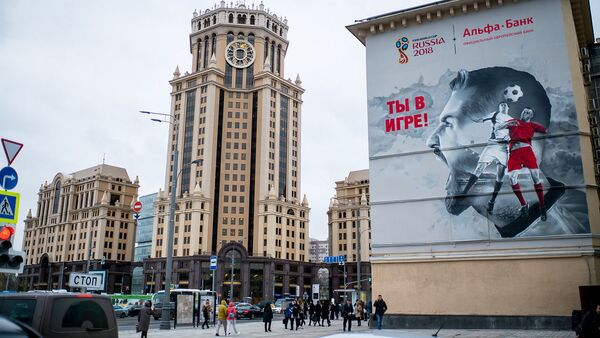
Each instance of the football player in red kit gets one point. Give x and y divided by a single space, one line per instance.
521 157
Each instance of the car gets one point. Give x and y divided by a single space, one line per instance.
248 311
281 304
15 329
120 311
133 310
62 315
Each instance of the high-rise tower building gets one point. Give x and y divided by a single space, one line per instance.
240 117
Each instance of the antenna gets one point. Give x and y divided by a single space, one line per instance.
103 158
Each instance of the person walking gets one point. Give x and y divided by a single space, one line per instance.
318 308
206 310
304 313
311 312
222 317
287 315
358 309
332 309
295 315
337 309
231 318
380 309
369 312
325 314
347 314
268 316
589 327
143 324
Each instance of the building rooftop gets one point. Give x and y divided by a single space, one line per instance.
444 8
101 169
358 175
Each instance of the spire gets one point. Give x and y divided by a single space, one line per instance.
363 199
304 201
176 73
105 199
159 194
272 194
29 214
137 180
298 81
197 190
267 66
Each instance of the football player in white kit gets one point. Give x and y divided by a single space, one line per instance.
495 152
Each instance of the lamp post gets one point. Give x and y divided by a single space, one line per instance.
165 322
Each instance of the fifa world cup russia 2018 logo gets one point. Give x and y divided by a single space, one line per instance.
402 45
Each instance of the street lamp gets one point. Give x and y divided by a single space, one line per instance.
165 323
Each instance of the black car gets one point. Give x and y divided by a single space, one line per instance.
133 310
248 311
62 315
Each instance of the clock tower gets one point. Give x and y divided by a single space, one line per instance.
240 117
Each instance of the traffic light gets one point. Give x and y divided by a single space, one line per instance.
10 261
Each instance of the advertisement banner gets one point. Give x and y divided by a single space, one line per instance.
473 132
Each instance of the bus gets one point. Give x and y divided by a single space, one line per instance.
200 297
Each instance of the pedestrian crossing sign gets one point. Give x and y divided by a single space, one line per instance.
9 207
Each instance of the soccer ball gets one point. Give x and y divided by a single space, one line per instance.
512 93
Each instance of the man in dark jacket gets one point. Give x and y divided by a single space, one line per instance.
347 314
380 309
311 311
325 313
318 313
589 326
268 316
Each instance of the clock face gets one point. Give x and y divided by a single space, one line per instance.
239 54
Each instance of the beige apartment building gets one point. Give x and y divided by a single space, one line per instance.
80 216
349 216
318 249
239 118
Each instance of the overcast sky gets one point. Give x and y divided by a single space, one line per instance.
73 75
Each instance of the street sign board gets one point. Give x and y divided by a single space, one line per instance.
213 263
8 178
334 259
9 207
11 149
94 280
137 206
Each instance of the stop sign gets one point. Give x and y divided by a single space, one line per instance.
137 207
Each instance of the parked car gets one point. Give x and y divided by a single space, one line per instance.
281 304
120 311
133 310
248 311
62 315
14 329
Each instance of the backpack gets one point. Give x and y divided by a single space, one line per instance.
232 314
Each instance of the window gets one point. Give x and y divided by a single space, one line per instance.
19 309
77 311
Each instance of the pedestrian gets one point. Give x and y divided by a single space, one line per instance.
144 319
337 309
231 318
268 316
380 309
222 317
589 327
347 314
304 313
287 315
317 319
358 309
325 313
206 310
295 315
369 310
332 309
311 311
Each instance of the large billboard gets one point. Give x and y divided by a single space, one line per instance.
473 132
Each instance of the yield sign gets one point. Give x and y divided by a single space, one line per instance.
11 149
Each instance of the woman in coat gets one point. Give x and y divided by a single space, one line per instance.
144 319
231 318
268 317
358 311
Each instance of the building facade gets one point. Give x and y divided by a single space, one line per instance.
349 215
143 232
459 220
318 249
238 119
82 216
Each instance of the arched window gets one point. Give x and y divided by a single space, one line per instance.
280 31
266 51
214 19
252 21
241 19
240 36
279 59
56 197
272 55
228 68
205 63
213 45
199 53
199 25
268 23
250 69
275 28
230 18
290 212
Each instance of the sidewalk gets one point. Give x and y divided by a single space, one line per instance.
256 329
